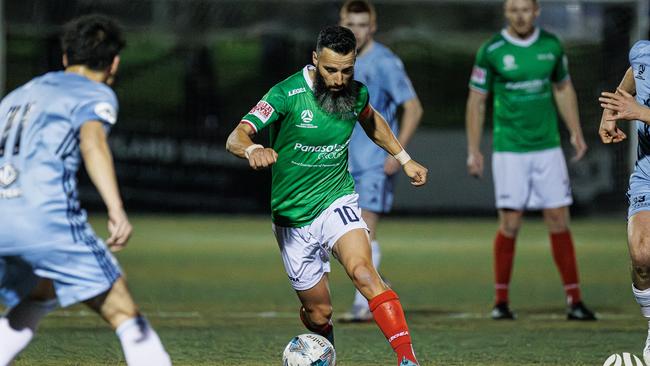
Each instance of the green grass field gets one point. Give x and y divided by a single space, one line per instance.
215 289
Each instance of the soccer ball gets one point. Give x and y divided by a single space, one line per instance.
309 350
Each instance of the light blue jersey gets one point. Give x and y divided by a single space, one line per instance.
639 191
389 87
42 226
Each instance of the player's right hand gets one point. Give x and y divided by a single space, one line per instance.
475 164
416 172
119 229
262 158
608 130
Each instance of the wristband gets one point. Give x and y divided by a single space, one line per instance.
251 148
403 157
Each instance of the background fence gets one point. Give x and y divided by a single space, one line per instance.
192 68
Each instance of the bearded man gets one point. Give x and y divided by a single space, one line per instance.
315 209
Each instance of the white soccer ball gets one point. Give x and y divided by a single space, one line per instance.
309 350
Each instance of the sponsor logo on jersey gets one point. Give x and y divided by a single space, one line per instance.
106 112
528 85
509 63
478 75
262 110
545 57
296 91
323 151
307 116
8 175
639 73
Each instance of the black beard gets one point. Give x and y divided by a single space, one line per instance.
335 102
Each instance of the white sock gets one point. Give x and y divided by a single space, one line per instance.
141 344
643 299
18 326
359 300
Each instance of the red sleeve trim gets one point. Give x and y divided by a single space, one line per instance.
365 113
249 123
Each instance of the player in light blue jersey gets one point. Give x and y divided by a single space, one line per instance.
390 88
49 254
623 105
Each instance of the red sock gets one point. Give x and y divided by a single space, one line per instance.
565 259
389 316
504 253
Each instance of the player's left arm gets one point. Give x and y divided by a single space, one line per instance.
380 133
411 116
624 106
98 160
567 105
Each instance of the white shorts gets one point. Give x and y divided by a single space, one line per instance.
533 180
306 250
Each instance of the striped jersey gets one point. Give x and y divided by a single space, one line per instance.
39 157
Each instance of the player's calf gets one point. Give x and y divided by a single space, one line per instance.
318 319
389 316
140 342
19 324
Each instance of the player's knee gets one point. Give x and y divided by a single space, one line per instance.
509 228
364 275
641 275
640 252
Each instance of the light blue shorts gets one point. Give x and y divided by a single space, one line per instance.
638 195
375 190
79 270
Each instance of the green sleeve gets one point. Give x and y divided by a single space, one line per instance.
482 73
363 99
561 70
268 110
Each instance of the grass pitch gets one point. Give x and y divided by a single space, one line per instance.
215 290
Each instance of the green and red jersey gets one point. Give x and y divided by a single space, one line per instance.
520 74
312 145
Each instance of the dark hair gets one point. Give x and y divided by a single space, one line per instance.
338 39
92 40
357 7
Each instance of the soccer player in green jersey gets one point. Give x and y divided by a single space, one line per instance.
525 69
315 210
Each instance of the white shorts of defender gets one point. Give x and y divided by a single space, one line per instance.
532 180
306 250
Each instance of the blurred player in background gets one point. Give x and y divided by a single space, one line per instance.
315 210
526 70
49 254
622 105
371 167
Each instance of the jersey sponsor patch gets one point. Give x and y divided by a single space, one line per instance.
478 75
106 112
262 110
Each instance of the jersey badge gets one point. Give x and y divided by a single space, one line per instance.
307 116
106 112
8 175
262 110
509 63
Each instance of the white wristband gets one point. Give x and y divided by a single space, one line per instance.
403 157
251 148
